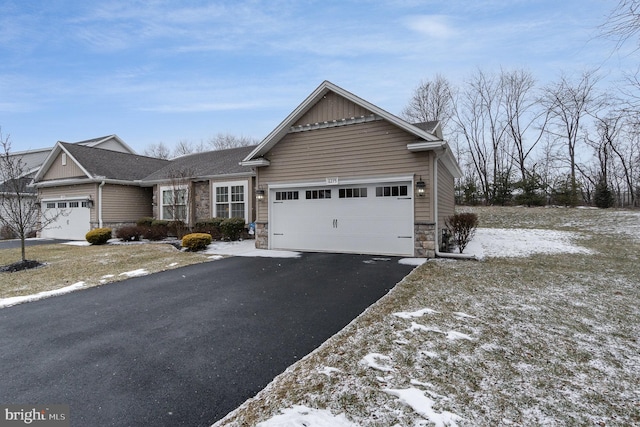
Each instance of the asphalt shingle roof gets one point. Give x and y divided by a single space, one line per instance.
113 164
206 164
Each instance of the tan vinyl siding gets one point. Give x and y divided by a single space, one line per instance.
332 107
112 145
69 191
446 194
60 171
366 150
124 203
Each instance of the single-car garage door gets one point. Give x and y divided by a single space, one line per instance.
71 219
371 218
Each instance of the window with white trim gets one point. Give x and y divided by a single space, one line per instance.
174 203
51 205
230 200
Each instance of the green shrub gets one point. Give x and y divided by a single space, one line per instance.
177 228
232 228
145 221
209 226
155 233
98 236
159 223
462 227
130 233
196 241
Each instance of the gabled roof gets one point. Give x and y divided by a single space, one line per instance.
283 128
204 165
96 142
98 163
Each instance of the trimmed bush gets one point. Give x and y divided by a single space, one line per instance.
159 223
98 236
232 228
462 227
130 233
209 226
177 228
155 233
145 221
196 241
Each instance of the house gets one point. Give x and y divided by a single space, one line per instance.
108 185
340 174
93 186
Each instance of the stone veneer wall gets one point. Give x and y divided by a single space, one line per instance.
262 235
425 240
202 201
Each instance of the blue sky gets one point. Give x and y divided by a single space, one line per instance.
162 71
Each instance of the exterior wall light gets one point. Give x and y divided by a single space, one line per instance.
260 194
421 187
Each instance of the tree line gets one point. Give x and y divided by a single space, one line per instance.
572 141
569 142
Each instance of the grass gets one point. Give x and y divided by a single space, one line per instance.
554 338
94 265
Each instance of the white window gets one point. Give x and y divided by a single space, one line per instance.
230 199
51 205
174 203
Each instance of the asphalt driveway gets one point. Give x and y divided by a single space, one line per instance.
186 346
15 243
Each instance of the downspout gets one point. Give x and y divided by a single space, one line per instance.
435 217
100 204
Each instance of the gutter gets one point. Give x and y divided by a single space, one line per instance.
100 203
435 211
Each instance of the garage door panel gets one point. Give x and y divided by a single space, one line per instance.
71 223
369 224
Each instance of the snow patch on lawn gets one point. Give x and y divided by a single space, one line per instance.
377 361
135 273
417 313
302 416
77 243
412 261
246 248
520 242
423 405
7 302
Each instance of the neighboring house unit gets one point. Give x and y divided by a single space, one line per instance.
93 187
109 186
340 174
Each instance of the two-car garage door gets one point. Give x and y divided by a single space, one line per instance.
367 218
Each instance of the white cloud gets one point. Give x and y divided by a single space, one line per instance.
432 26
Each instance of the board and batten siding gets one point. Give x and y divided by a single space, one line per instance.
125 203
60 170
71 191
332 107
365 150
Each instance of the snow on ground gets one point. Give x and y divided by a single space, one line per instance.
135 273
519 242
246 248
7 302
301 416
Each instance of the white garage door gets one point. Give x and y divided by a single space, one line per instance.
72 219
368 219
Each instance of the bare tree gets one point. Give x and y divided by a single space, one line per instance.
19 207
159 150
223 141
432 100
568 103
623 23
525 121
185 147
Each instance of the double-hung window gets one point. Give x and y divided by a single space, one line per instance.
231 200
174 203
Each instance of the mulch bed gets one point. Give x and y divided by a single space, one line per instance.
20 265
